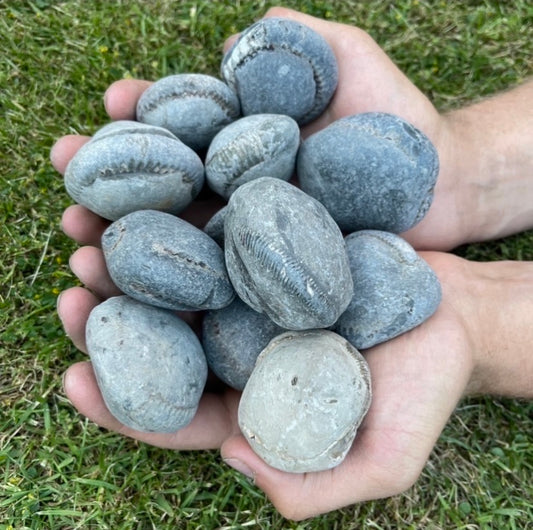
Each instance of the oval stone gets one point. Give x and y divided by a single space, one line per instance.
233 338
280 66
304 401
162 260
252 147
129 166
371 171
149 365
285 255
194 107
395 290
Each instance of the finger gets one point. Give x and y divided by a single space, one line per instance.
415 389
328 29
64 149
214 421
88 264
82 225
299 496
73 307
230 41
368 79
120 99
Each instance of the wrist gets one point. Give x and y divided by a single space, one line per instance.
488 156
499 318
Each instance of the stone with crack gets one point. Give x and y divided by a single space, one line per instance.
251 147
194 107
162 260
129 166
285 255
280 66
306 397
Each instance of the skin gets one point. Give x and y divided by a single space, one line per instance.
469 346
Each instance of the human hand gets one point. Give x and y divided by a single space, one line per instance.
396 437
368 81
417 378
483 190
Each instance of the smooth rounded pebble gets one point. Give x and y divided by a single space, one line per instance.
395 290
252 147
280 66
285 255
194 107
233 338
304 401
149 364
128 166
371 171
162 260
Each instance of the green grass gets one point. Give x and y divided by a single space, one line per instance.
58 470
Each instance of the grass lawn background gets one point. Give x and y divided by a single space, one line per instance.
58 470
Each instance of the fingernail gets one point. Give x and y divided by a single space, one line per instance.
64 381
241 467
105 100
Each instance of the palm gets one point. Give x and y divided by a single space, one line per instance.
417 380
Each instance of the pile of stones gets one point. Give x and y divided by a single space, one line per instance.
292 279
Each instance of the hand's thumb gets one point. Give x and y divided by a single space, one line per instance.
295 495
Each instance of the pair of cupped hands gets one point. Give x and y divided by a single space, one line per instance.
418 378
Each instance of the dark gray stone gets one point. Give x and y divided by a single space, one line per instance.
280 66
129 166
371 171
395 290
254 146
214 228
304 401
192 106
162 260
149 365
232 338
285 255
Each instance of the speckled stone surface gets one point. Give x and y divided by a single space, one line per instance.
371 171
192 106
162 260
214 228
280 66
394 289
129 166
149 365
285 255
304 401
233 338
251 147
